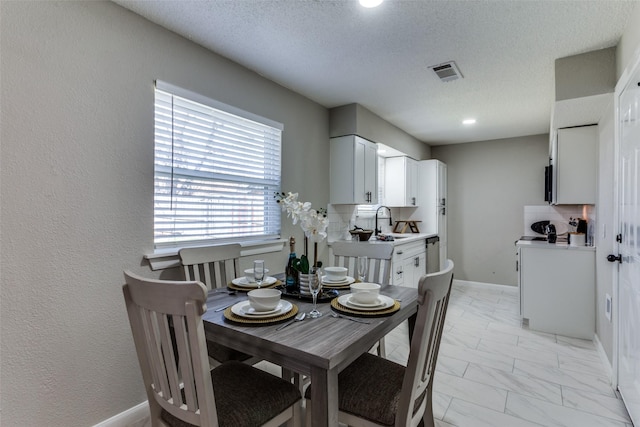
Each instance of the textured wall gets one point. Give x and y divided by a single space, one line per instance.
489 183
77 193
356 119
586 74
629 46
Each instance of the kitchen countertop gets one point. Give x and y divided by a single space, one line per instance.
400 239
557 245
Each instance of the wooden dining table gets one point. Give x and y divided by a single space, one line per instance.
319 348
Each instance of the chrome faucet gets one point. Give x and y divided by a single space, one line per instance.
376 229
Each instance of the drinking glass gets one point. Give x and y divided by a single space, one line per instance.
258 271
363 262
315 286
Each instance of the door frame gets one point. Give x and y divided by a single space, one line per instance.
624 79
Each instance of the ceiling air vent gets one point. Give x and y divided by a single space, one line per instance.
447 71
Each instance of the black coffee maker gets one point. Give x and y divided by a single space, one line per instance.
582 226
551 233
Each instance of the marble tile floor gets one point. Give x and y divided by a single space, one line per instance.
492 372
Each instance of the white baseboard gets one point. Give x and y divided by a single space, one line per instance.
132 417
493 285
603 358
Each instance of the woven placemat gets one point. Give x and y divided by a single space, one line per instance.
246 289
373 313
229 315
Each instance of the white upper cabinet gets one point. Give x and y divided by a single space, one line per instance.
574 154
353 171
401 181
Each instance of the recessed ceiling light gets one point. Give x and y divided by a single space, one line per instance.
370 3
469 121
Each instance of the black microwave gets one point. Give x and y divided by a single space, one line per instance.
548 184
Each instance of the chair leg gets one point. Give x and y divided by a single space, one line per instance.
427 417
296 419
307 415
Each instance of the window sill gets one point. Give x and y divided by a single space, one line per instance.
162 259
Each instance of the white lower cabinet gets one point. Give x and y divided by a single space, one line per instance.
557 290
409 263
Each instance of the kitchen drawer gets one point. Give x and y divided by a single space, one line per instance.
409 263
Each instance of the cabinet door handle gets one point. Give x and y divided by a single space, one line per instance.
416 262
413 201
399 253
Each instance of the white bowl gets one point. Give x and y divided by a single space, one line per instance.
248 273
365 292
335 273
264 299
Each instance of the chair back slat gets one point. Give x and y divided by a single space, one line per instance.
171 370
215 266
166 322
379 254
434 290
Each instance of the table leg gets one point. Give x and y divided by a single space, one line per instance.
412 326
324 397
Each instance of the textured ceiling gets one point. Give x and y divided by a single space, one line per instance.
336 53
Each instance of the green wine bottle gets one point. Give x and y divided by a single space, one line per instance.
291 274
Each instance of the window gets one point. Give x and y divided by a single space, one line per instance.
217 169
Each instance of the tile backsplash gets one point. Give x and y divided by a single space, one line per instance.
343 218
559 215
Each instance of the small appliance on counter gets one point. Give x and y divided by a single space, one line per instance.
578 234
540 227
551 233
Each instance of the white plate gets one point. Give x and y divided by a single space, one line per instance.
384 303
342 284
243 282
243 309
344 281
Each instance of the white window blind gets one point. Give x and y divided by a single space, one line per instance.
217 169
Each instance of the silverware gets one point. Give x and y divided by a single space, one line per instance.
336 315
298 318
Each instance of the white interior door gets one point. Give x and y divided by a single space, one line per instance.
628 348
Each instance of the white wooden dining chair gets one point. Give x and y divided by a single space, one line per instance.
379 256
346 254
374 391
215 266
168 331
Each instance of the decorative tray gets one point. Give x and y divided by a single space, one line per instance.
326 295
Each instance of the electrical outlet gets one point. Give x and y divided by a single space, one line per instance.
607 308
